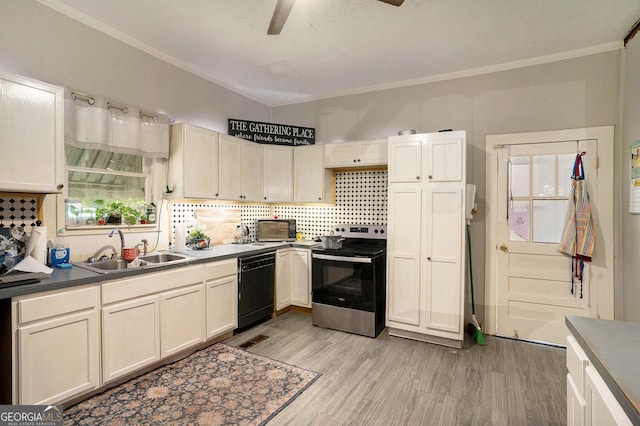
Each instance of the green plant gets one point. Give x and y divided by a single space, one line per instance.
113 209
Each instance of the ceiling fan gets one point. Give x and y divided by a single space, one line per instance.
283 8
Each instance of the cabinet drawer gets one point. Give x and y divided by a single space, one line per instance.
57 302
151 283
577 361
222 268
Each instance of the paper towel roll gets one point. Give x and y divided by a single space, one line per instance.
38 244
180 244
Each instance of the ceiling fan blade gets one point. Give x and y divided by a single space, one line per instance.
393 2
280 15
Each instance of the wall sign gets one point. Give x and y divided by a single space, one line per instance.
270 133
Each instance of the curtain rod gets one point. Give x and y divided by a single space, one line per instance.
91 101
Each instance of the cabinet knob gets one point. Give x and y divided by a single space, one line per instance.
429 258
430 177
417 177
60 186
355 161
265 198
216 195
358 160
319 198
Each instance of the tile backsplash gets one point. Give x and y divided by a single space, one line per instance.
18 211
361 197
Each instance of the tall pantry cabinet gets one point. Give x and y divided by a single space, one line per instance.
426 237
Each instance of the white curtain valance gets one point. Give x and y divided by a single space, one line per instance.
92 122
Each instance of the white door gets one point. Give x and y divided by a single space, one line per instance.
527 276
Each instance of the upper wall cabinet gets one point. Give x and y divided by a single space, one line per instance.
31 135
240 169
428 157
356 154
277 180
312 183
193 162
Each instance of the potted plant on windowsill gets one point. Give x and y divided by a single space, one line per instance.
115 213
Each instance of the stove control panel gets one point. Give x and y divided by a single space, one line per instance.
361 231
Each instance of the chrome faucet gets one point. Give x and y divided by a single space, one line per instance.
145 243
121 238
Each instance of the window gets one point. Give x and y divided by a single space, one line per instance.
105 188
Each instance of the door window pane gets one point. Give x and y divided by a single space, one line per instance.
519 182
519 221
565 170
548 220
544 176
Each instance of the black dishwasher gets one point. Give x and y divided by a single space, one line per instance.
256 277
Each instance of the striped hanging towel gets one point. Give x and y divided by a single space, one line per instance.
578 237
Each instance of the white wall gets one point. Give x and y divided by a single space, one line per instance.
630 224
580 92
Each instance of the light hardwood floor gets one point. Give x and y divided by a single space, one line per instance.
395 381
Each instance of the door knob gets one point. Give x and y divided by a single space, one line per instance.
504 248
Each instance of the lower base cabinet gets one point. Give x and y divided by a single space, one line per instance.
589 400
221 297
293 278
130 336
69 342
57 352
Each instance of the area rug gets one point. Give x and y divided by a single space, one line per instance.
219 385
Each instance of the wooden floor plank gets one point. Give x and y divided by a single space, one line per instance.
395 381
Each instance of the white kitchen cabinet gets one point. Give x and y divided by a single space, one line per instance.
293 278
312 183
283 279
193 162
589 400
133 317
240 169
426 244
182 322
57 353
433 157
277 182
130 336
356 154
221 297
31 135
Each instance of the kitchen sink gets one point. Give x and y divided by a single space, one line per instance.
109 266
162 257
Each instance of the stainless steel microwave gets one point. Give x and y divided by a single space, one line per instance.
276 230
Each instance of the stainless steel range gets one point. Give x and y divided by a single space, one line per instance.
349 283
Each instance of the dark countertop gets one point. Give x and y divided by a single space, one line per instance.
63 278
613 348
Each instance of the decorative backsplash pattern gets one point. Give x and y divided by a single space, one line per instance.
361 197
18 211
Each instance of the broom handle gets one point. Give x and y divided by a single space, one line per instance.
473 302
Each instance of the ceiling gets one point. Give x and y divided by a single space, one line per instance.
335 47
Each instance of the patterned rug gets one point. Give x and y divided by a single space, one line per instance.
219 385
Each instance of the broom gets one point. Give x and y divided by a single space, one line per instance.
477 332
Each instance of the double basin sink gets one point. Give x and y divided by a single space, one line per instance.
142 262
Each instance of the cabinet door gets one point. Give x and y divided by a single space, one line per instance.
251 171
310 178
340 154
405 161
230 168
373 153
222 305
444 160
444 223
31 135
403 255
300 278
181 319
200 162
278 173
59 358
283 279
575 403
130 336
602 406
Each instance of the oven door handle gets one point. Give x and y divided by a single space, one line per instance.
341 258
